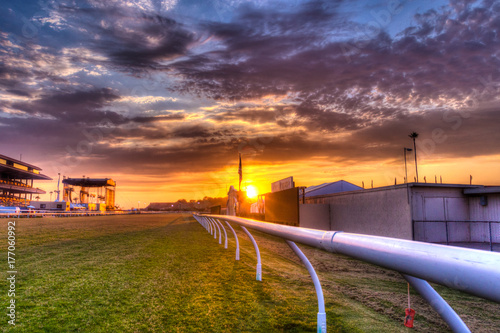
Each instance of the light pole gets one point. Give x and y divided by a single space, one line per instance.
406 169
413 136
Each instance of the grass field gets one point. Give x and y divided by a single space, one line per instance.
165 273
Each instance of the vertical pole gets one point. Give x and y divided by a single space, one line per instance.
437 303
225 233
415 150
211 227
321 326
406 169
207 224
214 229
257 252
218 227
237 243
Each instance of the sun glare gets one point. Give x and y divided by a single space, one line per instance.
252 192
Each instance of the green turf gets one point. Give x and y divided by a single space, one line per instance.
165 273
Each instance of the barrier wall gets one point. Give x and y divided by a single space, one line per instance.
315 216
283 207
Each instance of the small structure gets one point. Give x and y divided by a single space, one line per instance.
16 182
51 205
90 193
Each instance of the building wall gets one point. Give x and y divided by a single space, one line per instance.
283 207
490 212
439 204
379 212
51 205
447 216
315 216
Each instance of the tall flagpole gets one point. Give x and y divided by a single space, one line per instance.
240 173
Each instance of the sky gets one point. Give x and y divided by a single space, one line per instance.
162 96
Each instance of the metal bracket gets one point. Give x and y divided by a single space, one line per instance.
237 243
257 252
321 324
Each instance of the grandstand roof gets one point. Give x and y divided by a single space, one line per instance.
89 182
16 169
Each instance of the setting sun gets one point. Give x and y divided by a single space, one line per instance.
252 192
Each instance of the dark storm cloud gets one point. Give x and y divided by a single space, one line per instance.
251 114
161 161
260 48
444 56
163 117
441 132
131 40
74 107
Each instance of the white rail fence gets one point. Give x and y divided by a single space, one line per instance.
35 214
472 271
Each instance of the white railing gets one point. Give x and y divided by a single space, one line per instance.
472 271
34 214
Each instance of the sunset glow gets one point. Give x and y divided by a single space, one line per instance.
252 192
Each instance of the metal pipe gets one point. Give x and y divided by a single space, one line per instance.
237 243
225 233
321 323
473 271
257 252
438 304
218 228
209 226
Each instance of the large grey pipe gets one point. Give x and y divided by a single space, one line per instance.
472 271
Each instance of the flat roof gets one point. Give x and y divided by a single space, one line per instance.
21 189
482 190
16 173
19 162
466 187
89 182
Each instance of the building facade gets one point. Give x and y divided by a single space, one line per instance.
453 214
16 182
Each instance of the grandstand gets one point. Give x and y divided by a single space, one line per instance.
16 182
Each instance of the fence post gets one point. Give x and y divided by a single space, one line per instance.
225 233
321 324
218 228
237 243
257 252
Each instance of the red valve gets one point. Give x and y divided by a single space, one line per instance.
409 316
